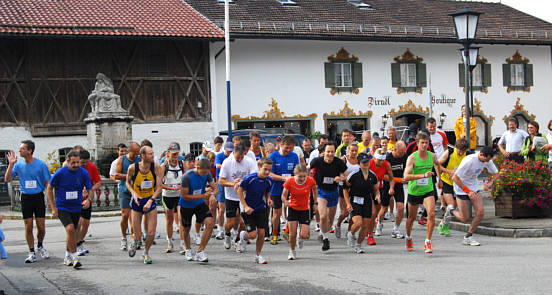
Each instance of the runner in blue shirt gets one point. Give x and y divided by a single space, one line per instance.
284 162
33 179
68 182
257 189
219 158
193 201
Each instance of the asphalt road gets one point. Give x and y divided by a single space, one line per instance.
499 266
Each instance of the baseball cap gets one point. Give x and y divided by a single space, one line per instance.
208 146
363 157
174 148
229 146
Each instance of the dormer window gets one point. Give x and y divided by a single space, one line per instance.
359 4
287 2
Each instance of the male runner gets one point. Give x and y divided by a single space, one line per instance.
392 135
121 150
194 201
33 178
365 143
173 169
219 159
466 188
86 214
256 147
218 142
144 181
284 162
439 142
69 182
347 137
418 173
124 161
329 170
257 188
233 170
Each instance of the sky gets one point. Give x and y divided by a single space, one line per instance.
539 8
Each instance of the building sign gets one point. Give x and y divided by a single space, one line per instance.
444 99
373 101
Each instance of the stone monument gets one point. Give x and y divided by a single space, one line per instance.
108 124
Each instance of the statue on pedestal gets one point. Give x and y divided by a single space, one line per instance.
103 98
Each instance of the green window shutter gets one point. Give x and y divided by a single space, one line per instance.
487 80
461 75
329 74
421 77
357 75
528 75
396 75
506 75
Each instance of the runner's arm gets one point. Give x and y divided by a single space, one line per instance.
390 176
346 197
284 196
314 195
119 169
158 181
436 166
186 195
408 170
442 161
129 181
51 202
246 208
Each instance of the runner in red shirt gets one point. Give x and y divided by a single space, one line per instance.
86 214
298 188
382 169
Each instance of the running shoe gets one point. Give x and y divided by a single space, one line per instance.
422 221
157 235
267 239
31 258
44 254
68 260
379 229
291 255
202 257
320 238
409 245
132 249
397 234
124 244
317 228
443 208
338 232
300 243
358 249
370 240
387 216
470 241
189 253
80 250
332 230
346 220
447 229
242 243
76 263
274 240
441 228
350 239
325 244
227 242
220 235
170 247
427 247
139 245
147 258
448 214
260 260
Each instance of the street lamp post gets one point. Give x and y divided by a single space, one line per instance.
465 25
384 119
442 118
227 53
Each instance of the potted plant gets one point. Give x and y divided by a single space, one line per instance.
523 190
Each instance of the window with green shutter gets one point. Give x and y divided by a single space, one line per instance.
517 73
408 73
343 73
481 75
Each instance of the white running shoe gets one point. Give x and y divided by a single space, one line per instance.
44 254
358 249
124 244
31 258
397 234
76 263
170 246
387 216
379 228
157 235
350 239
189 253
227 242
198 239
220 235
202 257
80 250
260 260
338 232
147 258
317 228
470 241
300 243
291 255
242 243
68 260
132 249
448 213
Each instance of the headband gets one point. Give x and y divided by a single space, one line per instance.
380 157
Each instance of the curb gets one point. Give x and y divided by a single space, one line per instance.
503 232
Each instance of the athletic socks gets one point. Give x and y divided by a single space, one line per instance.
80 243
31 250
324 235
395 227
468 235
39 244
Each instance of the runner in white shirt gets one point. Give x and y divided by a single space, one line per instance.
440 144
322 139
466 188
121 150
233 170
511 142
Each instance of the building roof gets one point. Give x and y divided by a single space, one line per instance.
394 20
158 18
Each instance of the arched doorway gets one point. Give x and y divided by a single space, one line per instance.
409 119
484 124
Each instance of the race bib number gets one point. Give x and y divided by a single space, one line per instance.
146 184
328 180
30 183
71 195
290 166
196 192
358 200
422 182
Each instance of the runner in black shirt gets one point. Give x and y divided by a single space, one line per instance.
329 170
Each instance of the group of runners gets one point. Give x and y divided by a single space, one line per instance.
242 188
